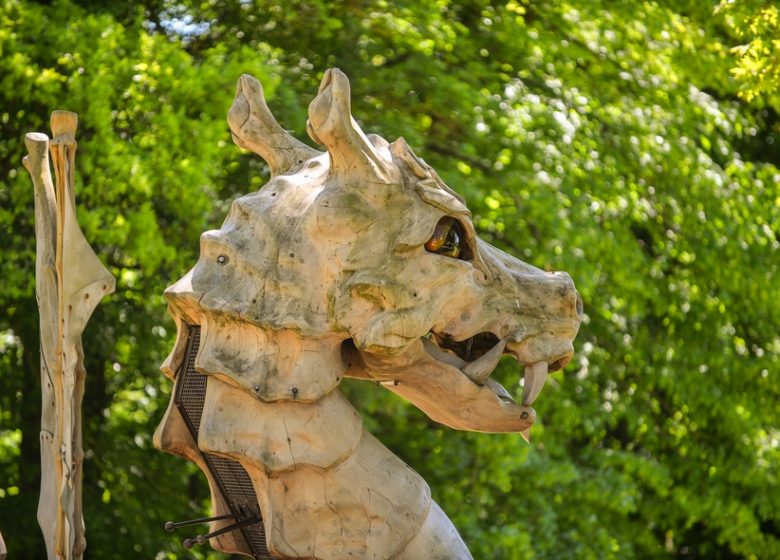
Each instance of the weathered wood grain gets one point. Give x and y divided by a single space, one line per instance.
70 282
358 262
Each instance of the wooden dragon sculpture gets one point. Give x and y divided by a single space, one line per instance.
358 262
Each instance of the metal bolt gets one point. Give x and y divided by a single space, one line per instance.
222 259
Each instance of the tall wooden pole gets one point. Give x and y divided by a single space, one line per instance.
70 282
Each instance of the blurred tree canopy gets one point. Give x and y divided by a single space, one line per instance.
632 144
757 24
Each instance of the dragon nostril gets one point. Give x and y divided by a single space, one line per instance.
578 303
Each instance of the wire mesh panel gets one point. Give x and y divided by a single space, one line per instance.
231 478
191 385
237 486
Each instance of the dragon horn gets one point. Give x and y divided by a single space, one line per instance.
254 128
352 153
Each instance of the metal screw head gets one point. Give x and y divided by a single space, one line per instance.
222 259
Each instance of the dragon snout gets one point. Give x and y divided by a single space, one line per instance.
547 295
561 295
548 311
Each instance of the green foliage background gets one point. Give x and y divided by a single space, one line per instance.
632 144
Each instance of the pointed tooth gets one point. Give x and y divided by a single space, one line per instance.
480 369
499 390
535 375
441 355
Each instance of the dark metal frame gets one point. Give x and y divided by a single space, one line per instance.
230 476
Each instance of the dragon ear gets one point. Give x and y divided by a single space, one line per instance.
353 156
254 128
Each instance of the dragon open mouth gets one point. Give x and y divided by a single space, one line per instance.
477 357
470 349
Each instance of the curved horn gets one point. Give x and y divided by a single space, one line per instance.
254 128
331 124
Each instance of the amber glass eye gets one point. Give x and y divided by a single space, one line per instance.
447 239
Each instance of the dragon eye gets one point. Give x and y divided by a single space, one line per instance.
447 239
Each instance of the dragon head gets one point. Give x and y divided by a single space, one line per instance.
361 261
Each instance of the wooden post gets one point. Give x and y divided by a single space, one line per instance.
70 282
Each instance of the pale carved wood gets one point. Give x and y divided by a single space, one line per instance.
70 282
328 271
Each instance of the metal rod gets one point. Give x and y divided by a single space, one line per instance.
173 525
201 539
